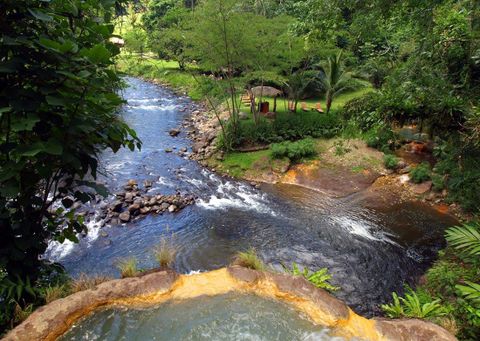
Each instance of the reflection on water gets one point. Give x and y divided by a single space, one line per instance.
226 317
370 251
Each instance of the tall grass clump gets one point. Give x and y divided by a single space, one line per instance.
85 282
249 259
52 293
165 253
128 267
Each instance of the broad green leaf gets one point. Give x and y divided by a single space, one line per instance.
40 15
25 123
97 54
56 101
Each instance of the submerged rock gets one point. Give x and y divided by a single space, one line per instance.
174 132
125 216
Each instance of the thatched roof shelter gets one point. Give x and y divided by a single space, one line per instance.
267 91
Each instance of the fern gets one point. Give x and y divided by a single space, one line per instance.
318 278
471 292
411 306
465 238
394 309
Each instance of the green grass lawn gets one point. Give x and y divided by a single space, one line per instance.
338 102
237 163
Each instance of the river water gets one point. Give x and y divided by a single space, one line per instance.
369 251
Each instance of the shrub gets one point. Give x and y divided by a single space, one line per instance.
443 276
390 161
412 306
461 168
363 111
288 126
318 278
165 253
421 173
249 259
128 267
381 138
438 182
295 151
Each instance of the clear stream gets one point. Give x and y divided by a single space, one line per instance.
370 251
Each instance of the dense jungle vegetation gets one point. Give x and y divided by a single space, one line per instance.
375 67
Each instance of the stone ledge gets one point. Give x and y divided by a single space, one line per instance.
52 320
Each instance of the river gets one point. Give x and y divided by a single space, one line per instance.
369 251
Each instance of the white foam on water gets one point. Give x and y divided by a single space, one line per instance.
143 100
164 181
363 229
231 196
154 107
56 251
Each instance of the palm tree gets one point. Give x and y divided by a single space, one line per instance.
334 78
297 86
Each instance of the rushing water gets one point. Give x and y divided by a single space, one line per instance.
226 317
370 251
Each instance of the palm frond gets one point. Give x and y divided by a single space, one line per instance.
470 291
465 238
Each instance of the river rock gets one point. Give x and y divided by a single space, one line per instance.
103 234
129 197
172 208
401 165
152 202
174 132
197 146
405 170
144 210
139 202
117 206
147 183
164 206
132 183
422 188
133 208
168 150
125 216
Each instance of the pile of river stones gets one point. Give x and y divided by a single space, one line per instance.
202 128
132 202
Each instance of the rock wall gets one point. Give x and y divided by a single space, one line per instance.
52 320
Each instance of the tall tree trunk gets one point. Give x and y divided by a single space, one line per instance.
329 101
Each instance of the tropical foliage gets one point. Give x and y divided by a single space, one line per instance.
319 278
466 239
57 105
412 306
